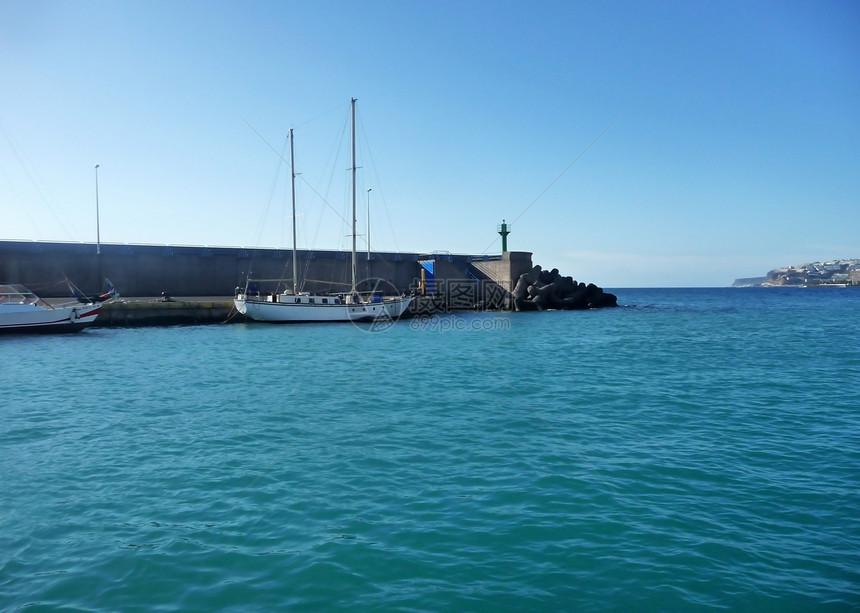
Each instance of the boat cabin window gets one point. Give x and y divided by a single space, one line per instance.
17 294
311 300
337 300
298 300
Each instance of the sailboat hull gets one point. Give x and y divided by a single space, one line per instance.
304 312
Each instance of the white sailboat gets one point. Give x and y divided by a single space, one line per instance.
299 307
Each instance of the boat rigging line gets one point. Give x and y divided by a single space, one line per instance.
554 181
299 175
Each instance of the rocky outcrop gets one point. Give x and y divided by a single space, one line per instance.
539 290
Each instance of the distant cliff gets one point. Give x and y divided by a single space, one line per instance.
834 272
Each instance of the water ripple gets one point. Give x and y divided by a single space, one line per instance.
698 450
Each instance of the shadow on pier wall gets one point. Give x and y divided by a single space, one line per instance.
149 270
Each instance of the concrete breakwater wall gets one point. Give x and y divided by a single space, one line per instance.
450 281
152 312
440 282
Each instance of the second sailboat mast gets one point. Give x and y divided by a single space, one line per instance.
293 185
353 195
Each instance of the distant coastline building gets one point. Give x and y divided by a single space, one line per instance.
833 272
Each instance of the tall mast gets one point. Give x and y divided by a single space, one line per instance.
352 104
293 185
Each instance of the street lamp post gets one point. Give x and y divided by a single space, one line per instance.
98 233
368 223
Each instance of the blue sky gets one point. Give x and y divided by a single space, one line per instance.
727 133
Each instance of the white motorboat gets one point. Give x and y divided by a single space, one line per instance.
23 311
300 307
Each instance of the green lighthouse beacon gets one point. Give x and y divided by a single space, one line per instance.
504 230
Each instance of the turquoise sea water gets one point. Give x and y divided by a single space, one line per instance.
692 450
